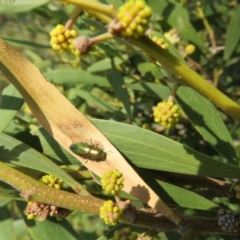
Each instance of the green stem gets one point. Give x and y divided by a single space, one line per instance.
100 16
202 16
188 76
33 190
173 92
101 38
73 18
94 6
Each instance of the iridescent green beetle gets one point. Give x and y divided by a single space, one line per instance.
89 151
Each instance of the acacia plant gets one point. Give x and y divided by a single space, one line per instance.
119 120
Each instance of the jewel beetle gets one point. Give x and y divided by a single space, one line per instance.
89 151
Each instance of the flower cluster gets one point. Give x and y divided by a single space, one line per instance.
62 39
51 181
112 181
134 17
160 42
229 221
40 211
110 212
166 114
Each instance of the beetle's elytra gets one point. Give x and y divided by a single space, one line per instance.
89 151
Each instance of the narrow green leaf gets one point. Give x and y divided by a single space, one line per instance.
150 67
95 101
161 153
208 122
75 76
178 18
20 229
233 34
52 149
158 6
21 6
6 224
173 235
9 194
153 89
50 228
4 202
102 238
10 103
185 198
177 196
36 59
116 80
117 3
24 43
224 202
105 64
16 152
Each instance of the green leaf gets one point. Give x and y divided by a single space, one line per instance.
178 18
37 59
20 229
95 101
150 67
4 202
233 34
172 235
116 80
9 194
10 103
161 153
16 152
50 228
153 89
208 122
105 64
25 44
184 198
21 6
177 196
116 3
75 76
6 224
158 6
52 149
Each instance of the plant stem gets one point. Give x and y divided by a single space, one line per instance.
188 76
201 15
33 190
173 92
100 16
73 18
94 6
101 38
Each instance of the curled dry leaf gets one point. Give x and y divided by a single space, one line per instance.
67 125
